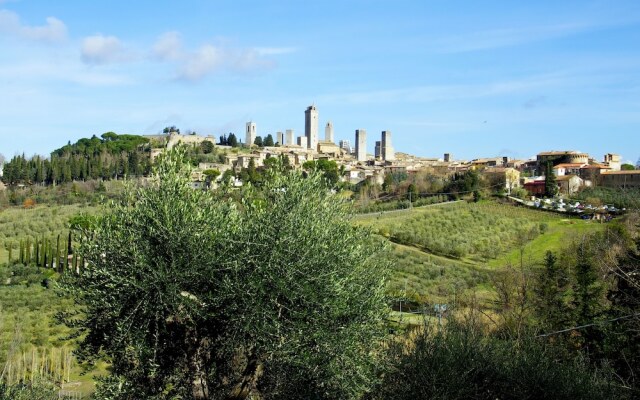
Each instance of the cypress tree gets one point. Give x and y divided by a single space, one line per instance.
550 184
37 251
51 257
57 260
28 250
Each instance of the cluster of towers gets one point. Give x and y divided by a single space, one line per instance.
383 151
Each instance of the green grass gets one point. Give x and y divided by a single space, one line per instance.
561 232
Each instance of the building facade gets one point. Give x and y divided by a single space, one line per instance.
621 179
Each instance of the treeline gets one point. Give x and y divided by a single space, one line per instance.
110 157
621 198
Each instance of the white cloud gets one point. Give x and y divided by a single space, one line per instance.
53 31
204 61
194 65
168 47
100 49
210 59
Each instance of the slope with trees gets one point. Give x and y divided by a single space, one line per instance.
112 156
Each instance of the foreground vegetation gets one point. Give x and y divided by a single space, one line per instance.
299 304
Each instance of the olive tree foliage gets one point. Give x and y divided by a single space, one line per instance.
189 295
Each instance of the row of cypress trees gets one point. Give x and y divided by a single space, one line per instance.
44 252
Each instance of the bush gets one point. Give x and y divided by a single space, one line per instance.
461 362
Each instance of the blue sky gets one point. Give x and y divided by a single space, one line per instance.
473 78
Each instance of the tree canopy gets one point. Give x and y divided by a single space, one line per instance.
190 295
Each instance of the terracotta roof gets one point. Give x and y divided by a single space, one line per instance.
569 165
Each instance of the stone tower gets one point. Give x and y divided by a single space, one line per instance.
328 132
361 145
378 150
288 137
280 137
250 135
388 154
311 127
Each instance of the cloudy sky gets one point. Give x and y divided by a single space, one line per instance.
473 78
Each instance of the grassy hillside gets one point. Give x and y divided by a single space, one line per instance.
449 250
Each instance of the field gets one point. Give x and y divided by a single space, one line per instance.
32 343
448 251
19 223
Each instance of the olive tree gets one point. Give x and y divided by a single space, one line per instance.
187 294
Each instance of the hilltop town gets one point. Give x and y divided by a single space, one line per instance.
573 170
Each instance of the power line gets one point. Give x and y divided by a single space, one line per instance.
575 328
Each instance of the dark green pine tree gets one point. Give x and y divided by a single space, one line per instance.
552 291
268 141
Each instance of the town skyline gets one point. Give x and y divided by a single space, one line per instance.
460 79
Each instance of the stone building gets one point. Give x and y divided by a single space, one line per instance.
174 138
569 184
560 157
621 179
505 178
345 145
613 161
